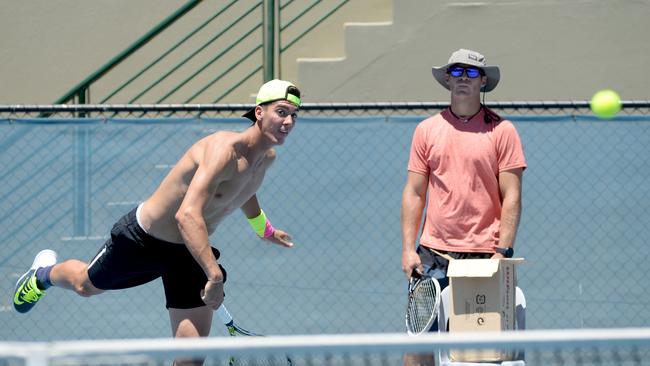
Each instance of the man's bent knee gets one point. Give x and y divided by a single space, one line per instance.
86 288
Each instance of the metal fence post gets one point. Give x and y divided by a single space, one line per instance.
269 39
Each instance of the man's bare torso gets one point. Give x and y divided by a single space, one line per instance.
240 184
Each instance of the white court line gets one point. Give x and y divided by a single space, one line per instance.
122 203
80 238
6 308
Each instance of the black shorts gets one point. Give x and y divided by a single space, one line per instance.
131 257
436 266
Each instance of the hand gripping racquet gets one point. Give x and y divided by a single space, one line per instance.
423 303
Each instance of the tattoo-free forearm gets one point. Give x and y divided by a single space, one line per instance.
410 218
510 215
195 236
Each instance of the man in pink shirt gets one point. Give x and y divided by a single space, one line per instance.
464 172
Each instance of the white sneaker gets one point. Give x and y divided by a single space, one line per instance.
27 293
44 258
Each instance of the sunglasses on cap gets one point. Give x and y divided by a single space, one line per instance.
458 71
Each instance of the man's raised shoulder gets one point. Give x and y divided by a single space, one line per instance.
218 147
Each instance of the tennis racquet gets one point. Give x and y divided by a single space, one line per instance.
423 303
234 330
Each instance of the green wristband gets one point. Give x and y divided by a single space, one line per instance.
258 223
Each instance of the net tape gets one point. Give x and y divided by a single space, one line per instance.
575 347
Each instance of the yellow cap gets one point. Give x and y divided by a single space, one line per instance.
275 90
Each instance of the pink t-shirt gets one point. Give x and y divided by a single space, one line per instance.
462 161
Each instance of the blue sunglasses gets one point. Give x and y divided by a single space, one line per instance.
458 71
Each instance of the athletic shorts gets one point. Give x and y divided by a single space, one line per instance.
131 257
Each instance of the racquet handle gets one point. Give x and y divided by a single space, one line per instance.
223 314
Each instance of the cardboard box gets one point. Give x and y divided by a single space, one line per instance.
482 300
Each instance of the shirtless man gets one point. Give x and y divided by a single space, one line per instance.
167 234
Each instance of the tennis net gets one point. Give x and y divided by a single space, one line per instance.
543 347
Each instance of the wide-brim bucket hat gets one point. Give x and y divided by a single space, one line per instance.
472 58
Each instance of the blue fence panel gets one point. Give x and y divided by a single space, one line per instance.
336 187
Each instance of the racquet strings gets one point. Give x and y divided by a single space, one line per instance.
421 305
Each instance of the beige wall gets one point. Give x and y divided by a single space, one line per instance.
48 46
547 50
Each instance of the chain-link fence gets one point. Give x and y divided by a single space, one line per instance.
336 187
201 111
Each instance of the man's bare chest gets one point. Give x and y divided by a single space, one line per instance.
233 193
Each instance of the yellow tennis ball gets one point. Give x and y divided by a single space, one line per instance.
605 104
